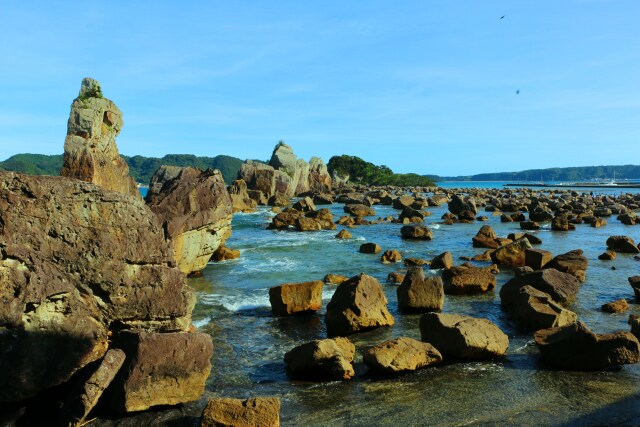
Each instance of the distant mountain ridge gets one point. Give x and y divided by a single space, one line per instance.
140 167
577 173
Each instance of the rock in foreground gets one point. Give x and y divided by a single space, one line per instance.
85 260
463 338
324 360
401 355
258 411
575 348
357 305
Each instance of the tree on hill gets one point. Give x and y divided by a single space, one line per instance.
364 172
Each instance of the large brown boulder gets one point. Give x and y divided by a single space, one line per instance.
90 151
416 232
458 204
240 199
257 411
512 254
359 210
328 359
160 369
574 347
463 338
195 211
534 309
537 259
444 260
292 298
486 238
572 262
622 244
319 178
418 293
358 304
76 260
468 280
401 355
562 287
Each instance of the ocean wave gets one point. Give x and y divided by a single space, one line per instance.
434 226
271 264
238 302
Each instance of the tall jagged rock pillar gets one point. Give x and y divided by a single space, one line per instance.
90 151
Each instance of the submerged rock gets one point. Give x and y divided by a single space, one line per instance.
292 298
195 211
401 355
257 411
417 232
463 338
324 360
358 304
618 306
90 151
574 347
420 294
390 256
468 280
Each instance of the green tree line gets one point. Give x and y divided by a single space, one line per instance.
364 172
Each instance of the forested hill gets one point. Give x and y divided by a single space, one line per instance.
582 173
140 167
360 171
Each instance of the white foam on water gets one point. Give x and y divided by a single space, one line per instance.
200 323
238 302
273 264
328 291
434 226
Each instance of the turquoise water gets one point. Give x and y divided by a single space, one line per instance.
249 343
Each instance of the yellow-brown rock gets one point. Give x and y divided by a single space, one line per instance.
257 411
292 298
90 151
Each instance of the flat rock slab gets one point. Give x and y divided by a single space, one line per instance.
401 355
161 369
463 338
258 411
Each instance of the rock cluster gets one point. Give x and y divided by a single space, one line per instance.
285 175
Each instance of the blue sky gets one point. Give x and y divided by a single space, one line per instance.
420 86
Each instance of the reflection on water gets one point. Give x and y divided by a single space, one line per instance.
250 343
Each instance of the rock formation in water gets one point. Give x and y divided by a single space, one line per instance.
195 211
285 175
90 152
78 265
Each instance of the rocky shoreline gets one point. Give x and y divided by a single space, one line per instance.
95 274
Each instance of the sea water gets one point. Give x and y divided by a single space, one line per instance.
250 343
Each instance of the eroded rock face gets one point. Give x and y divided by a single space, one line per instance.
574 347
512 254
161 369
76 260
257 411
534 309
328 359
419 293
240 199
357 305
463 338
291 298
195 211
401 355
90 151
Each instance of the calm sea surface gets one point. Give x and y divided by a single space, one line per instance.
250 343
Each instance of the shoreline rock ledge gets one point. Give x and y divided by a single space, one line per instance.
80 267
90 152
